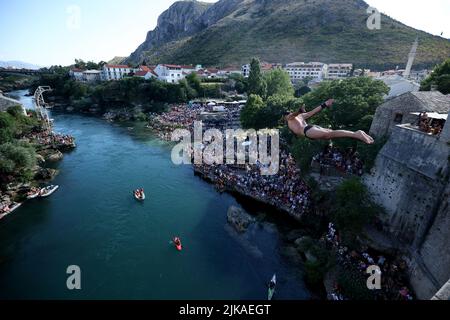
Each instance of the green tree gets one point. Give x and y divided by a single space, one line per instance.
355 98
256 82
249 114
278 83
17 160
440 77
352 208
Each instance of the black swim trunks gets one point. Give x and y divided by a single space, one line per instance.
307 128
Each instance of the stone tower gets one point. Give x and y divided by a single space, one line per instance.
411 57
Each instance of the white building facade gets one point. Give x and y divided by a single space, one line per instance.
91 75
169 73
300 70
115 72
77 74
245 70
339 70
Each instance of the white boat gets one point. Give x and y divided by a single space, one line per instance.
11 210
48 191
272 285
14 207
34 195
139 198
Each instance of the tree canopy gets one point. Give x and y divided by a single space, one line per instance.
440 77
256 81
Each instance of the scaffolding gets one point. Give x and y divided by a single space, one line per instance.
40 106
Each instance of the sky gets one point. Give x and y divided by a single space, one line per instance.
50 32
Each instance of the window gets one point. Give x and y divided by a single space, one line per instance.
398 118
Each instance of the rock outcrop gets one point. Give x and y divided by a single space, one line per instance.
239 219
180 20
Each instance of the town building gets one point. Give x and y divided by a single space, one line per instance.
399 110
169 73
300 70
226 72
398 85
339 70
245 70
76 74
115 72
92 75
146 74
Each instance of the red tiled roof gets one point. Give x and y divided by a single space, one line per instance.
187 67
141 73
76 70
113 66
144 68
172 66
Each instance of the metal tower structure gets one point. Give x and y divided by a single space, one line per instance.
41 111
411 58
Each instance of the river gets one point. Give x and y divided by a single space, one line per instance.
122 246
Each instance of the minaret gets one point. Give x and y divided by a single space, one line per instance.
411 57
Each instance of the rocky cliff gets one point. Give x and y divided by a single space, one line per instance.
234 31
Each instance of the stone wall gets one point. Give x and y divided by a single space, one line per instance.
410 180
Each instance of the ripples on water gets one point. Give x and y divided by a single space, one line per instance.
121 245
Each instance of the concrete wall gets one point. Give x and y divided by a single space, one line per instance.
6 103
410 180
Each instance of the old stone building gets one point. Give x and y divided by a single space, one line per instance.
411 181
398 110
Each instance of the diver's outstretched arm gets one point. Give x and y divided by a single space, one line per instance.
312 113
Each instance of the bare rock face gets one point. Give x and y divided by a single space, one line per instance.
180 20
239 219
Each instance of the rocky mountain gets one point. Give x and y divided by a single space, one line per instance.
18 65
231 32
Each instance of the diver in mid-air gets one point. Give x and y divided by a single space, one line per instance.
297 124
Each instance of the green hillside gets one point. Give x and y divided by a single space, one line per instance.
298 30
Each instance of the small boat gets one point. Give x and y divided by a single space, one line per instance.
14 207
139 196
34 195
272 285
178 246
48 191
11 210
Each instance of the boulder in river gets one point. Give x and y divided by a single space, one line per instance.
53 155
239 219
46 174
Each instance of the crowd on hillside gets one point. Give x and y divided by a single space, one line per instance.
393 271
347 162
285 190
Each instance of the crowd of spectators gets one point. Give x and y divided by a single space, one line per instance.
393 271
178 117
347 162
52 139
285 190
429 125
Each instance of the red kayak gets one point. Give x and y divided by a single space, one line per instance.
178 244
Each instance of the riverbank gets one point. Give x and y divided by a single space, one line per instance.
28 146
